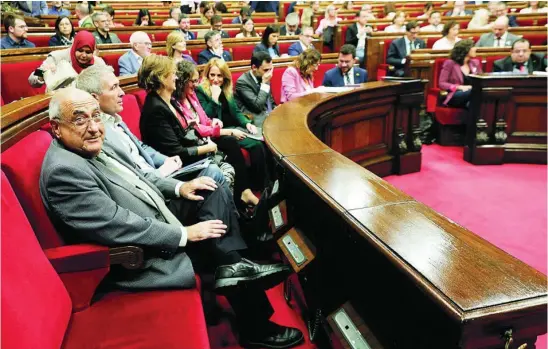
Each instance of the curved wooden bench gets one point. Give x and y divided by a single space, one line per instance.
408 276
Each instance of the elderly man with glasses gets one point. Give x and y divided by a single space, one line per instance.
103 35
131 61
304 43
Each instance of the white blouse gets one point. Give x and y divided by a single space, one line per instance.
444 44
393 29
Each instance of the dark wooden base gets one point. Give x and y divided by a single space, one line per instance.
450 134
409 163
497 155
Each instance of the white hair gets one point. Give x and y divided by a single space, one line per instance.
58 97
137 37
83 8
292 19
91 78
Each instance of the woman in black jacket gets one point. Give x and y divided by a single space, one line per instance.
269 41
64 32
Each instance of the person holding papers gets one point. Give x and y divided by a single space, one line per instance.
298 78
345 73
230 128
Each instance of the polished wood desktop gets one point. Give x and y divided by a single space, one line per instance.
407 276
508 117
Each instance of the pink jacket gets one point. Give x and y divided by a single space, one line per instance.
293 85
451 76
204 128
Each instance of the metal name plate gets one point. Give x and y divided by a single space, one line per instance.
350 331
294 250
278 219
275 187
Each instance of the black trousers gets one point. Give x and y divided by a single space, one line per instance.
251 305
230 147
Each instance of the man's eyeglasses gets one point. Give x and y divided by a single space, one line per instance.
82 122
23 26
147 44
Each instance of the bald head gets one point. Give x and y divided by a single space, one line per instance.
500 26
140 43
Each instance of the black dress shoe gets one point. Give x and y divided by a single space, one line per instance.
246 272
280 338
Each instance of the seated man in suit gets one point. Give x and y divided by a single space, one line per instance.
217 25
501 10
459 10
345 73
95 194
499 37
131 61
103 35
521 59
356 34
17 30
401 48
291 26
184 27
253 91
264 6
214 48
304 43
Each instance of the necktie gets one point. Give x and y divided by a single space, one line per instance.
347 79
131 177
498 43
522 68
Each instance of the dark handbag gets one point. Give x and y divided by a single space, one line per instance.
328 36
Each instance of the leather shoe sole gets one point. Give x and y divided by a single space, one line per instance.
265 280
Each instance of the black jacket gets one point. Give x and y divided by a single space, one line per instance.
161 129
397 51
535 63
352 35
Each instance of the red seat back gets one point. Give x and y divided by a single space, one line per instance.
140 97
235 77
385 48
36 307
264 20
131 114
11 75
124 37
318 74
243 52
112 60
39 40
161 36
490 62
276 84
284 47
536 39
22 164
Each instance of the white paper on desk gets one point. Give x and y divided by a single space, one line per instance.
330 89
540 73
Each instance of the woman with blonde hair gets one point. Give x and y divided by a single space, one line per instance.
480 20
330 19
398 23
216 98
176 46
298 79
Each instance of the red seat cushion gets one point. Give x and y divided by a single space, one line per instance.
36 307
112 60
451 116
264 20
22 164
131 114
284 46
276 84
16 72
243 52
490 62
161 36
536 39
318 74
124 37
156 319
140 95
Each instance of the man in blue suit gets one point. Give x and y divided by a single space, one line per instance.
131 61
305 42
214 48
264 6
345 73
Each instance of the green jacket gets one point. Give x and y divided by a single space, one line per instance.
87 23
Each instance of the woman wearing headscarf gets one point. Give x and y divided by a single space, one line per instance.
78 56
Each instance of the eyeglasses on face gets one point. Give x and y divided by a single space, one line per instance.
147 44
82 122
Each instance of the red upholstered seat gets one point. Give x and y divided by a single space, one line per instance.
276 84
232 32
124 37
451 116
343 30
39 40
243 52
140 95
382 67
318 74
264 20
284 47
536 39
14 80
22 167
161 36
112 60
131 114
36 307
490 61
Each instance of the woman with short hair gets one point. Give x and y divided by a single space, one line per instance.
450 37
298 79
176 46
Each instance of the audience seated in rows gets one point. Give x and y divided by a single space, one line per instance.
269 41
79 56
107 180
130 62
217 25
434 21
57 9
298 78
174 16
499 37
521 60
64 32
428 9
480 20
454 74
144 19
176 47
450 37
214 48
535 7
83 13
345 73
247 30
217 100
253 91
291 27
368 9
17 30
357 34
401 48
102 34
458 10
245 13
304 43
207 13
398 23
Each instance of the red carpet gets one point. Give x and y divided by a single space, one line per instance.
505 205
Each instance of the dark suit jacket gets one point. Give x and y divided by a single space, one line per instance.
206 55
334 77
283 30
352 35
397 51
535 63
264 6
512 21
224 34
163 131
251 99
88 202
262 47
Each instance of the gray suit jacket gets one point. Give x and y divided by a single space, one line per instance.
128 64
251 99
488 40
88 202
